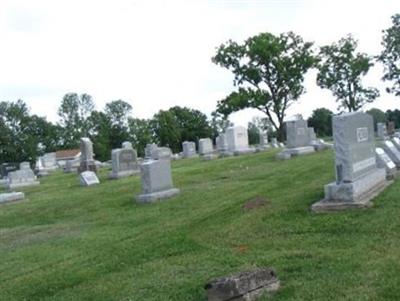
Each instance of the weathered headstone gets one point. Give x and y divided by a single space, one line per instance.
72 165
383 161
206 149
87 156
24 165
39 168
222 146
152 151
392 151
21 178
189 149
156 180
298 138
127 144
11 197
396 142
238 141
49 161
358 179
245 286
381 130
5 168
124 162
263 140
274 143
88 178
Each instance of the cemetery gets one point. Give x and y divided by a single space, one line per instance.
192 150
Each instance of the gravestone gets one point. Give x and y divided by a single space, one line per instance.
5 168
40 170
383 161
11 197
311 134
156 180
49 161
72 165
124 162
87 162
24 165
298 138
392 151
263 140
22 178
152 151
189 149
222 145
205 146
391 128
274 143
88 178
381 130
127 144
396 142
358 179
238 141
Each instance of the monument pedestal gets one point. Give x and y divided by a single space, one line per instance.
353 195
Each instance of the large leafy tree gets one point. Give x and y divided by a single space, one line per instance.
74 112
219 123
118 112
341 69
268 72
100 134
321 121
166 130
390 55
140 133
394 115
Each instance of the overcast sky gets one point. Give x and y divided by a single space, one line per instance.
157 54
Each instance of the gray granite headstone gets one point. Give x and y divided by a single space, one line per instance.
381 130
297 133
127 144
72 165
88 178
22 178
237 138
392 152
189 149
396 142
87 156
358 179
205 146
49 161
152 151
24 165
274 143
124 162
156 180
263 140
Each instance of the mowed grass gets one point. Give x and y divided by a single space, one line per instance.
73 243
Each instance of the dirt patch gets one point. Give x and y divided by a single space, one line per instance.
255 203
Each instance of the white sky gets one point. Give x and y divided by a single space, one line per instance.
157 54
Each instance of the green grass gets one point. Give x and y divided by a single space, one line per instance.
73 243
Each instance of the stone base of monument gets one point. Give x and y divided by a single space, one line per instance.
298 151
245 286
157 196
244 151
123 174
22 184
208 157
11 197
354 195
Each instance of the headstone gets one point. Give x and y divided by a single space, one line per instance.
49 161
124 162
297 133
392 151
21 178
238 141
222 146
391 128
205 146
311 134
72 165
152 151
126 144
5 168
383 161
396 142
244 286
156 180
263 140
24 165
40 170
274 143
11 197
358 179
88 178
87 156
381 130
189 149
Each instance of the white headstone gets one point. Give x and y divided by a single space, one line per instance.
88 178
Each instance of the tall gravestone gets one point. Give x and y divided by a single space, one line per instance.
358 179
124 162
87 162
156 178
222 145
206 149
263 140
189 149
381 130
238 140
298 139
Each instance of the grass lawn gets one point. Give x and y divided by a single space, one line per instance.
73 243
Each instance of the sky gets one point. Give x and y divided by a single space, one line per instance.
156 54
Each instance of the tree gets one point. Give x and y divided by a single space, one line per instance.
390 55
100 133
378 115
321 121
341 70
140 133
118 112
394 116
166 130
74 112
219 123
269 73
